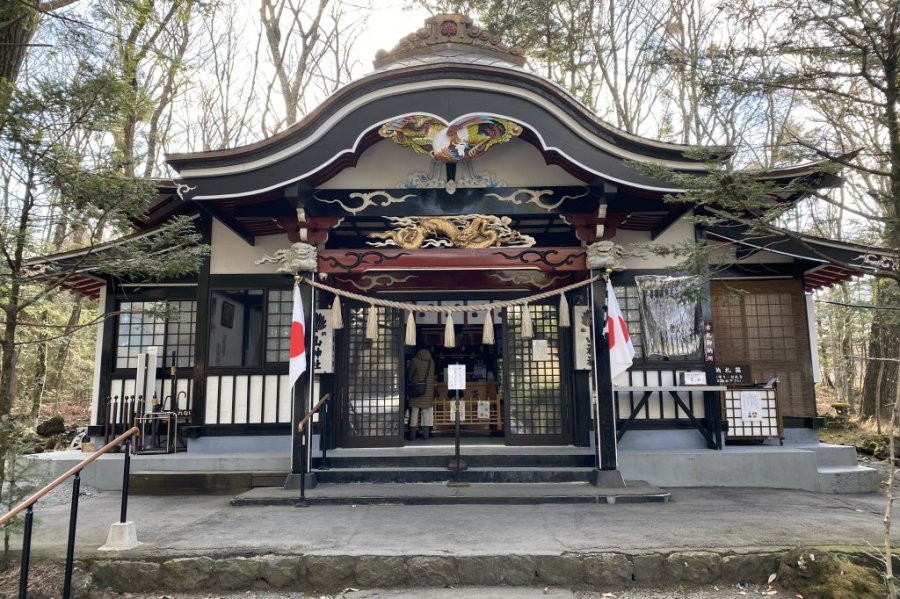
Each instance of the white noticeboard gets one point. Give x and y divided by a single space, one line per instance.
539 350
751 406
456 377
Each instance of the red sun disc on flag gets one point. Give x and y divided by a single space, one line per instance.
297 342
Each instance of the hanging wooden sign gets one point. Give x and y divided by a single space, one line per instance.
733 374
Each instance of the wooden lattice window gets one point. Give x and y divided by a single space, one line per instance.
168 326
536 399
763 324
278 324
373 375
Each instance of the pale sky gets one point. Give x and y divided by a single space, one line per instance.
384 28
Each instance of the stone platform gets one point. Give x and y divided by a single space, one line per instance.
700 536
811 467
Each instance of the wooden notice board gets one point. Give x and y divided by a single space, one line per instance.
752 413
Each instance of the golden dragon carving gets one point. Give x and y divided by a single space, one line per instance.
471 231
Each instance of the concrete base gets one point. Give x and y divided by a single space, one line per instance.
293 481
609 479
238 444
122 536
812 467
664 439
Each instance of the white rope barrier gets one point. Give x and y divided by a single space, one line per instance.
372 301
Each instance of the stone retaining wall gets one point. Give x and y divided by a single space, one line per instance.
324 574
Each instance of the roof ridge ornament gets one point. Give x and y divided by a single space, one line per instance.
445 30
464 138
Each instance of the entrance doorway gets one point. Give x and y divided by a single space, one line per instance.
481 412
516 391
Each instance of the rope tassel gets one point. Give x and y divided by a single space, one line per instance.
411 329
337 318
487 333
527 329
564 311
449 332
372 323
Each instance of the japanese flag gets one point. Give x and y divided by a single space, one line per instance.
621 350
298 339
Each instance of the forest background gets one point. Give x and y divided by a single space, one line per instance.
94 93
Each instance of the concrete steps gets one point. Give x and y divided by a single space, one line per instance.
510 475
810 467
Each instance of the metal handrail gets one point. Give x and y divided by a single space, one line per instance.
62 477
28 507
302 424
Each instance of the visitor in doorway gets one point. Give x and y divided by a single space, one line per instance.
421 403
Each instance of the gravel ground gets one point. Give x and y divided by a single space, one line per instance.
714 592
62 495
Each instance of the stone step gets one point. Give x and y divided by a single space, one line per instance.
834 455
210 483
440 460
445 494
442 474
849 479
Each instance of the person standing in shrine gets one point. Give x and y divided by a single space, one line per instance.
420 386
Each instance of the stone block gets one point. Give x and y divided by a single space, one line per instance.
496 570
187 573
432 570
281 571
694 567
125 575
329 573
754 568
235 573
649 569
608 570
380 571
561 570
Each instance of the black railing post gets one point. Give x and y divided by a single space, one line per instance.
124 513
70 550
26 553
323 437
302 501
457 458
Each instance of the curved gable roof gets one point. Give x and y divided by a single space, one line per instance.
440 80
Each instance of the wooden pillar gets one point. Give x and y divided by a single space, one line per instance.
201 329
605 416
712 403
107 352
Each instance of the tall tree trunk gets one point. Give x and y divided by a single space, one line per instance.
884 342
40 379
56 379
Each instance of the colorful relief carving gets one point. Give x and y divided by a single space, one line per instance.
458 141
469 231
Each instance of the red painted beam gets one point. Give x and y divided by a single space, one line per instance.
556 259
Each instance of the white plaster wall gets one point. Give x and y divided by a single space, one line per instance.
386 165
233 256
520 164
681 231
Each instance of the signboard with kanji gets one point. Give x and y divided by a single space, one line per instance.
733 374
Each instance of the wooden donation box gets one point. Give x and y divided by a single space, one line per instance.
480 411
